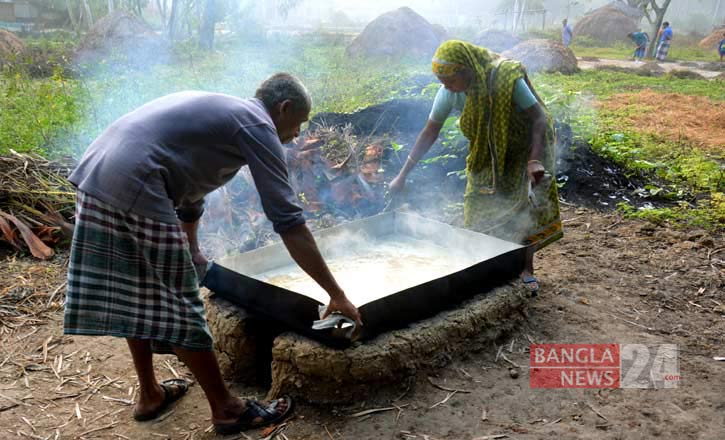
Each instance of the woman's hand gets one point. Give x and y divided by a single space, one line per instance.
397 185
535 170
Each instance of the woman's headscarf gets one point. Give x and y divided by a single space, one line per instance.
450 58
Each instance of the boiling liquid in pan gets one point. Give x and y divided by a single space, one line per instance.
375 269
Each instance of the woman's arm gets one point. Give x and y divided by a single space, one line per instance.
425 140
535 168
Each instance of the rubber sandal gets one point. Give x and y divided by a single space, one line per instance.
267 412
531 283
174 389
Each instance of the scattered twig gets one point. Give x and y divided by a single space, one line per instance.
633 323
275 431
32 435
101 428
595 411
27 422
491 437
440 387
400 413
376 410
16 402
328 432
403 394
35 330
55 292
163 417
114 399
451 394
168 365
503 356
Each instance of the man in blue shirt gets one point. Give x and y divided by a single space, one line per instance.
566 33
665 40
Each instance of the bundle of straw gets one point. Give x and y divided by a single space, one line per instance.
36 201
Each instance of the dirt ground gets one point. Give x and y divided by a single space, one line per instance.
671 115
701 68
609 280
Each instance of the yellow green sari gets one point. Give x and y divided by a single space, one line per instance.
496 200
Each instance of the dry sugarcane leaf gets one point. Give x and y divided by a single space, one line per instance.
9 235
310 143
37 247
48 234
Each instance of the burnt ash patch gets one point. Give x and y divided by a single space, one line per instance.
398 116
590 180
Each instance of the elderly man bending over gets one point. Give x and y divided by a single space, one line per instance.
141 188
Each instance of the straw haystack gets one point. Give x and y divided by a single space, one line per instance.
397 33
712 40
544 56
440 31
606 25
10 45
124 35
496 40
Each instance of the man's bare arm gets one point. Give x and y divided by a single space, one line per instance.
302 247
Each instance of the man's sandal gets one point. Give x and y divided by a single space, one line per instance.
267 412
174 389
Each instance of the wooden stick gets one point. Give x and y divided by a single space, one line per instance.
440 387
451 394
90 431
376 410
596 412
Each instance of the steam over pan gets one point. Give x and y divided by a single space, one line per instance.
397 268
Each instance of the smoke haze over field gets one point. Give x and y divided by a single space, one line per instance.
690 15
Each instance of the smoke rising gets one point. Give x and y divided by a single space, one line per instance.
253 43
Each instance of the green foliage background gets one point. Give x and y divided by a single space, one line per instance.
60 110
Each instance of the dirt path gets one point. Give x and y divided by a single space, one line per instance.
609 281
693 66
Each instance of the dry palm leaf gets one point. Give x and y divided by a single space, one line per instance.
37 247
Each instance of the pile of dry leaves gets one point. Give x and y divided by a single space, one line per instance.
36 202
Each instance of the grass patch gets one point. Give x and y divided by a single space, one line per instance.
63 114
602 84
38 114
694 176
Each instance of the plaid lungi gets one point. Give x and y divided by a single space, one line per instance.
132 277
663 49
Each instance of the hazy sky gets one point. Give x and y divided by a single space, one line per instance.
462 12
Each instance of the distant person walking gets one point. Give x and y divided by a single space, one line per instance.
641 39
721 48
663 47
566 33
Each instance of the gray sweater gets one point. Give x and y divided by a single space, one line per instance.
171 152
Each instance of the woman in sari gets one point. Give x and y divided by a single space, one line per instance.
510 192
